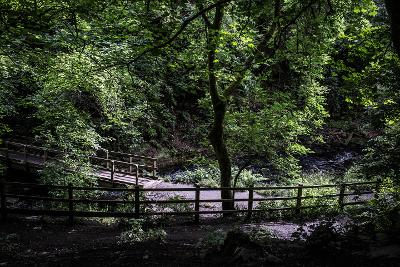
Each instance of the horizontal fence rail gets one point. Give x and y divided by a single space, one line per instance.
137 201
114 162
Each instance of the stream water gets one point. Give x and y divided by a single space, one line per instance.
337 162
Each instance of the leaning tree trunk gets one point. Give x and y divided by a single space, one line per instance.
216 137
219 104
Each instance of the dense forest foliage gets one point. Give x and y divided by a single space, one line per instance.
231 85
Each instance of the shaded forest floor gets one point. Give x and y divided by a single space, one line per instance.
31 241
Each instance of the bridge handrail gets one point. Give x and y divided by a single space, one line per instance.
110 151
154 166
113 165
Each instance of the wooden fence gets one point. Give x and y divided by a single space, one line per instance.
114 162
136 200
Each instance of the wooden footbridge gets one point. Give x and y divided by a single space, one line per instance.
110 166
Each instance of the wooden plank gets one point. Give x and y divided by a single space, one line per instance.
67 200
32 185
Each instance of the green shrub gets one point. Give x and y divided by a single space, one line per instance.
137 233
329 205
383 212
209 176
212 242
178 207
381 158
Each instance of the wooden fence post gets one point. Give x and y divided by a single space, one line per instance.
25 159
137 202
70 204
154 168
137 175
377 188
130 164
250 202
25 153
341 196
45 155
197 205
298 200
112 172
107 162
3 200
7 152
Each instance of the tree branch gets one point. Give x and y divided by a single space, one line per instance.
249 62
204 15
181 29
244 166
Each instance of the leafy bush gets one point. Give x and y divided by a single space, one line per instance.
381 158
210 176
328 205
260 235
137 233
178 207
382 212
213 241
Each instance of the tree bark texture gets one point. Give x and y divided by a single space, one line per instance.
393 9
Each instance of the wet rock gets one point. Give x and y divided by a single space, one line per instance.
237 239
244 255
241 249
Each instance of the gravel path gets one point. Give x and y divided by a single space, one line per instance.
204 195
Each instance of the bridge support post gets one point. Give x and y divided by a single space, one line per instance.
130 164
108 163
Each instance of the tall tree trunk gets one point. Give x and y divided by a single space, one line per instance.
393 9
216 137
219 104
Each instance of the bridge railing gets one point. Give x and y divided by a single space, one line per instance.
147 164
136 202
25 151
115 162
